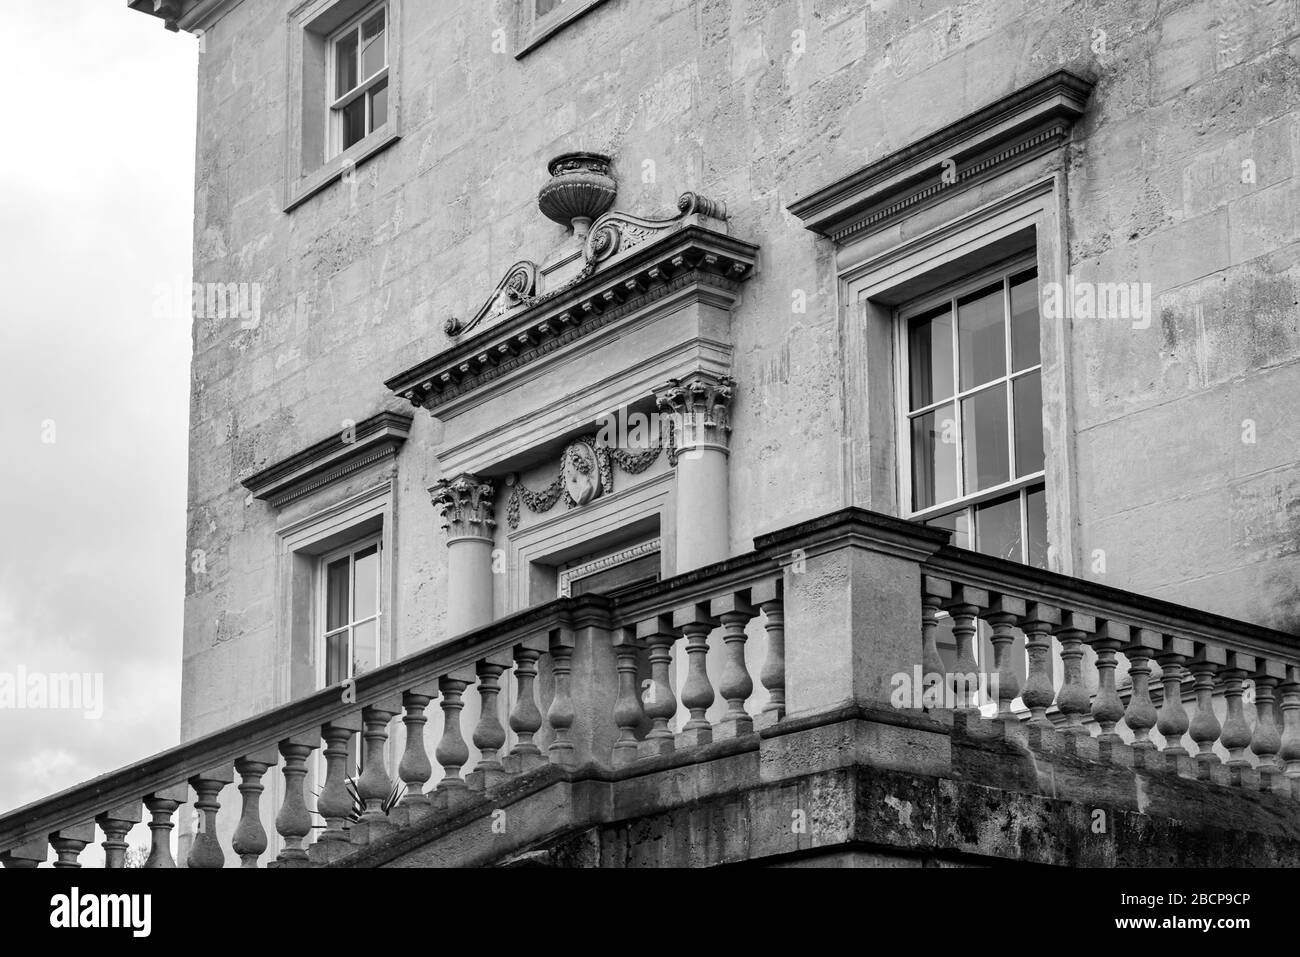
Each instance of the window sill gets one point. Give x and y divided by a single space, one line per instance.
552 24
333 169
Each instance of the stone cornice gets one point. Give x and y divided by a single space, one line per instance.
342 454
1033 120
189 15
684 257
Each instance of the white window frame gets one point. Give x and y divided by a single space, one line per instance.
320 631
905 414
336 104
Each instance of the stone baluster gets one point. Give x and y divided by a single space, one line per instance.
69 842
116 824
1140 715
489 736
1267 741
206 851
628 714
767 596
697 691
1107 707
1073 700
250 837
934 592
452 751
735 684
658 699
1235 736
293 822
27 855
1173 721
560 715
1205 726
1039 691
965 607
334 802
525 716
1290 746
161 806
1004 613
375 785
414 768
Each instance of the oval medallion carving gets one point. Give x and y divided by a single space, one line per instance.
581 473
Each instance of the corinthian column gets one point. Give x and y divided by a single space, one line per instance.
466 505
699 406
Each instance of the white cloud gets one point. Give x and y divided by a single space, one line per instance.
96 198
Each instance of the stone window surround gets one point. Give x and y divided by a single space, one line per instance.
306 127
299 546
533 32
646 509
1029 217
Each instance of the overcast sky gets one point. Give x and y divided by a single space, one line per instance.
96 204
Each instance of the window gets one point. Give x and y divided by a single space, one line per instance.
541 19
612 572
344 90
349 588
358 75
972 423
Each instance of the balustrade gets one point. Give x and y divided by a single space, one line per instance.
1126 683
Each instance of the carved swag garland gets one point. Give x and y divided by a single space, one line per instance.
586 472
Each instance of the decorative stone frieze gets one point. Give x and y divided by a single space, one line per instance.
586 472
466 506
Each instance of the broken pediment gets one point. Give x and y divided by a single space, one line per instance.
615 268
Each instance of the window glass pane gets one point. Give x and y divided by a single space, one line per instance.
956 522
1024 320
997 527
336 594
1037 509
930 357
336 658
984 439
546 6
373 46
1027 396
981 337
366 582
934 457
365 647
354 121
345 64
379 105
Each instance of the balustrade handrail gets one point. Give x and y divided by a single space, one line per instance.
177 765
773 552
1113 604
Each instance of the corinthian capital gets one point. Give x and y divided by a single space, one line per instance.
466 505
700 407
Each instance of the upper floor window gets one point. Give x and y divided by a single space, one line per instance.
358 72
349 601
540 19
972 428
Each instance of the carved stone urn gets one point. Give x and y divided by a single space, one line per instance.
580 189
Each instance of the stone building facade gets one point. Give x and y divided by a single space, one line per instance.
1030 272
